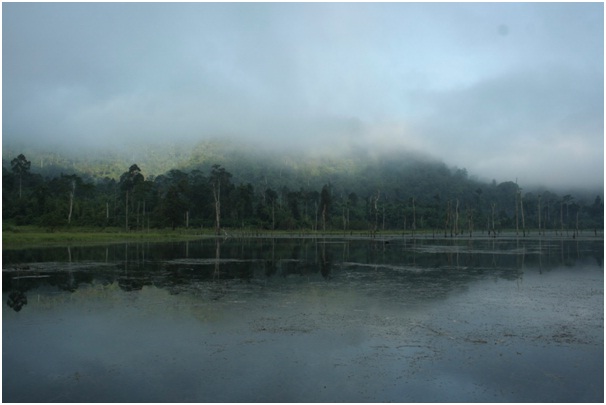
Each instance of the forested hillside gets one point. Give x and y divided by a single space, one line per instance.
221 185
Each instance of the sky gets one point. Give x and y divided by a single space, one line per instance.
506 90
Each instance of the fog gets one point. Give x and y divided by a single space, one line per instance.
508 91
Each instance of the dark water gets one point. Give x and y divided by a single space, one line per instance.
306 320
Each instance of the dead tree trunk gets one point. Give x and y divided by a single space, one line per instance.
376 227
383 227
456 222
471 221
217 197
516 204
447 221
522 212
71 202
126 212
561 218
494 234
316 226
539 209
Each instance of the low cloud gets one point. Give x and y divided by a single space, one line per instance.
505 90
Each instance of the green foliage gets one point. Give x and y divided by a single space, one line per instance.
397 192
20 165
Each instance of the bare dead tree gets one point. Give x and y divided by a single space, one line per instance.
218 175
376 200
447 221
522 212
316 226
494 234
456 221
539 211
470 220
71 201
273 214
516 205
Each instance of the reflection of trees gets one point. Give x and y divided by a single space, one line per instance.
209 264
135 276
133 283
217 273
67 282
218 289
270 264
16 300
325 262
270 267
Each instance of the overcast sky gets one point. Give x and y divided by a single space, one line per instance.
506 90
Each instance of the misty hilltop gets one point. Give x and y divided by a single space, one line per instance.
506 90
249 162
361 169
364 170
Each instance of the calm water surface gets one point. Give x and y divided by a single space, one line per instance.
306 320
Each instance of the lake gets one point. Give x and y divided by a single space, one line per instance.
306 320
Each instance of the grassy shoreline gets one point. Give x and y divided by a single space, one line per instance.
28 236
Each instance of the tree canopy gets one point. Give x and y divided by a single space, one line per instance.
394 193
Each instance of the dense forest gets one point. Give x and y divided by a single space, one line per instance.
221 188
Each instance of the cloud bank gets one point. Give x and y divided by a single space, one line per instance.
506 90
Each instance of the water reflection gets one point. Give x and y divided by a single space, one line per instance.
422 268
16 300
306 320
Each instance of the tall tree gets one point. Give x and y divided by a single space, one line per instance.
128 181
20 166
597 214
494 234
522 212
565 201
539 213
376 212
72 193
218 177
174 207
244 202
271 196
325 201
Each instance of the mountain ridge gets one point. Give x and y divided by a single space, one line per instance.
273 167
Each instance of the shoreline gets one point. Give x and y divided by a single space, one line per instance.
26 238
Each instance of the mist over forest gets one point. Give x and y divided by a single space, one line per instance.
246 161
176 186
505 90
253 162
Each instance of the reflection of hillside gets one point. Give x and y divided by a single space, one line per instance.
396 268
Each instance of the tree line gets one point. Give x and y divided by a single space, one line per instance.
388 198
